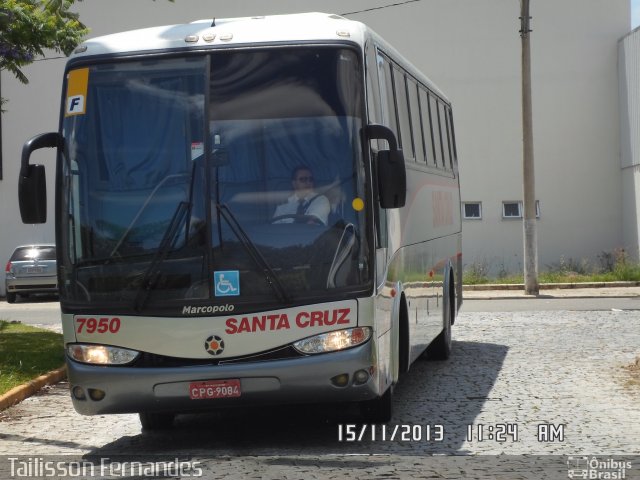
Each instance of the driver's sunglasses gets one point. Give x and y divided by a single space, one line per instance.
305 179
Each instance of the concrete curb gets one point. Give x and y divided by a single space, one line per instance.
550 286
19 393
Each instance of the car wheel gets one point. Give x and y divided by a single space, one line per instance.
11 297
156 421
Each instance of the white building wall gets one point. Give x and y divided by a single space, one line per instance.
471 49
629 75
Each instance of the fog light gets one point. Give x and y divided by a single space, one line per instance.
360 377
96 394
78 393
340 380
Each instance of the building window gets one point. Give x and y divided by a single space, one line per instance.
511 209
472 210
515 209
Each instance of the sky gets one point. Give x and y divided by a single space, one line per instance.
635 13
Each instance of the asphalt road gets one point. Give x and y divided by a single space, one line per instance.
478 415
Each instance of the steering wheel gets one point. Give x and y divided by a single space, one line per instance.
298 218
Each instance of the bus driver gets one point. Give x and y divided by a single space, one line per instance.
304 205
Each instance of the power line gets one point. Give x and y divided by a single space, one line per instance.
381 7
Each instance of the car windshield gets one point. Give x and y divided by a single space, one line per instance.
230 177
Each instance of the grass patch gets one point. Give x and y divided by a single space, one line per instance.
613 267
26 353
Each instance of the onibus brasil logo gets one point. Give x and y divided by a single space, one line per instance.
597 468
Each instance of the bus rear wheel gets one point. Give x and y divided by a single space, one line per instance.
156 421
440 348
378 410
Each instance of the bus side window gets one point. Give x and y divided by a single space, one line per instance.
416 121
400 88
386 90
429 154
435 127
446 138
374 109
454 153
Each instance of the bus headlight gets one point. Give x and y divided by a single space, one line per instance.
333 341
101 354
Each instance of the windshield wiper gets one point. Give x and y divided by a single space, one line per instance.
151 275
254 253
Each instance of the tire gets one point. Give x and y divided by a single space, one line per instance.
156 421
378 410
440 348
11 297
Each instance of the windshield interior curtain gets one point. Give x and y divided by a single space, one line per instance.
150 124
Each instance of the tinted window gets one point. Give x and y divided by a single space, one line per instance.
388 102
435 122
445 135
416 124
403 114
426 125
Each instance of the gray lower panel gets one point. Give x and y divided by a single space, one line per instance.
302 380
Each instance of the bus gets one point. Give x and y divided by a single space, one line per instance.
179 291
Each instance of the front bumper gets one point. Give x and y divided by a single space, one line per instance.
289 381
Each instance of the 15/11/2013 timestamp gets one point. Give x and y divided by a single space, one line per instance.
390 433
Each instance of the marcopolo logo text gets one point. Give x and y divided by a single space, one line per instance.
193 310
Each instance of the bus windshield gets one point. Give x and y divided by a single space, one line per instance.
226 177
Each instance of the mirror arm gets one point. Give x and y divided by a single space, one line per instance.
51 140
374 131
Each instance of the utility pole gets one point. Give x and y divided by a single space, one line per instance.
531 286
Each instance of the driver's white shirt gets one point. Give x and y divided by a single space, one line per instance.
319 208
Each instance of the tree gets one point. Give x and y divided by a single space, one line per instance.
29 27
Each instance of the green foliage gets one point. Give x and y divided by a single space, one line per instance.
28 27
26 353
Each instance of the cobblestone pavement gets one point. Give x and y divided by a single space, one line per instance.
509 374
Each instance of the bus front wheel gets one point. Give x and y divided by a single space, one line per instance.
378 410
156 421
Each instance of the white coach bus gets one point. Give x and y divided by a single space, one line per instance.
189 279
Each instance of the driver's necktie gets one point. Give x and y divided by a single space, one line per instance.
302 207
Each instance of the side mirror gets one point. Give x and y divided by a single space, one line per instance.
392 179
391 171
32 185
32 192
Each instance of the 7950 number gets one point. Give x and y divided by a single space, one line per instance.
99 325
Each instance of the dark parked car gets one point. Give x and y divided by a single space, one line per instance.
32 269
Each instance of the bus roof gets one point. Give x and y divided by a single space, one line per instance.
230 31
272 29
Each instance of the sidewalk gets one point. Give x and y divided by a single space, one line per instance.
555 290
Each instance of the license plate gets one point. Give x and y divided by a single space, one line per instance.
214 389
35 269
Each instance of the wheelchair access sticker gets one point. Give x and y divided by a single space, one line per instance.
227 283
